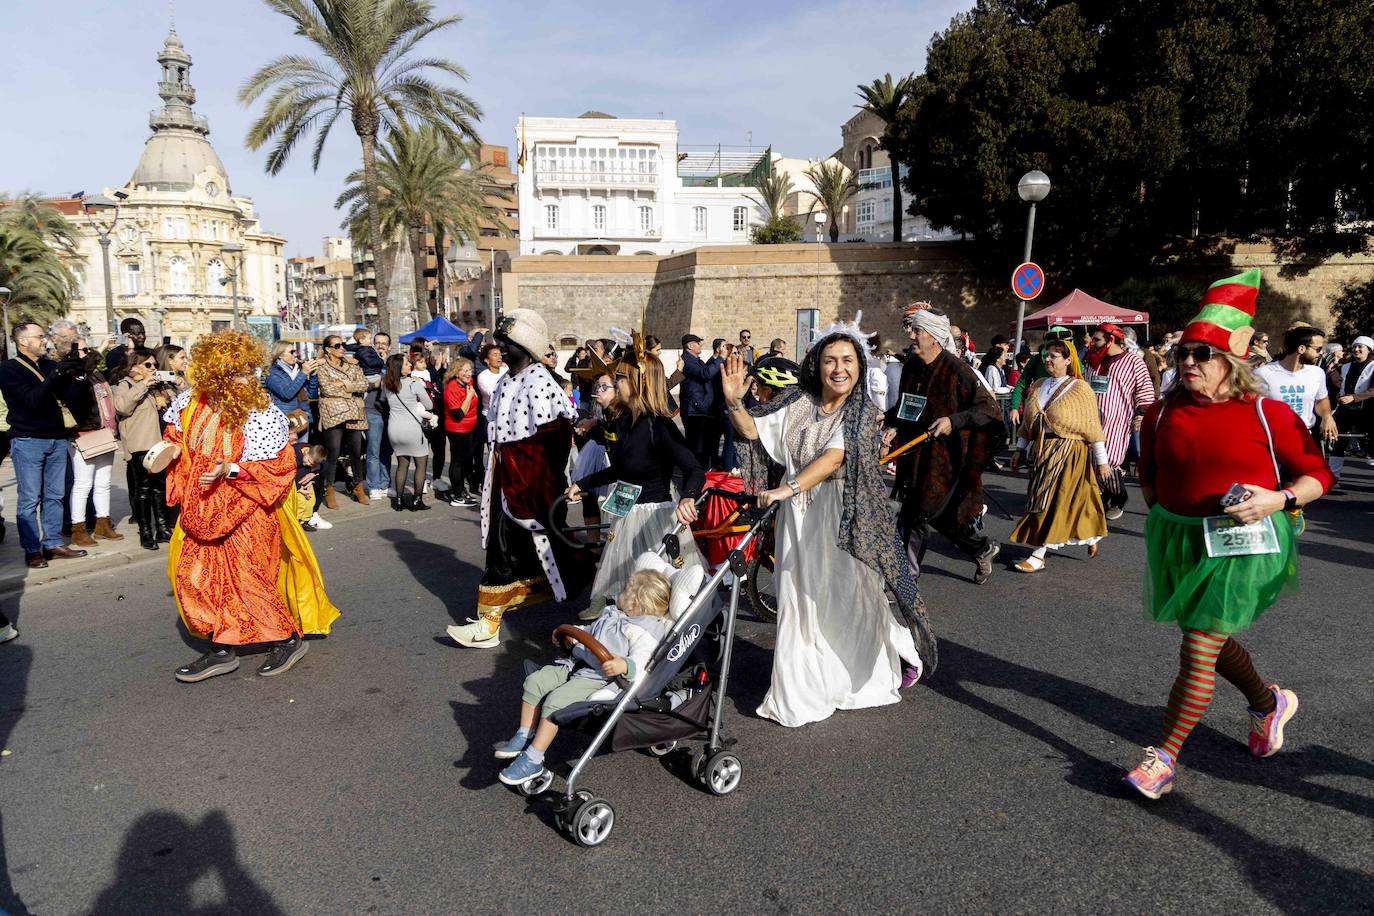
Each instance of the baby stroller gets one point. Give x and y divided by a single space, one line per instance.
678 696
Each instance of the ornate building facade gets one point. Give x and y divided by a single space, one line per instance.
167 238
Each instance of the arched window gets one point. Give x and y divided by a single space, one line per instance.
214 277
179 279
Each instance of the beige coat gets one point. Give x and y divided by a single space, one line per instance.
138 410
341 391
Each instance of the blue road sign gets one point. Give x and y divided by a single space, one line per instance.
1027 280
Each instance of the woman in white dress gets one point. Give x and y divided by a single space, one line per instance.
839 643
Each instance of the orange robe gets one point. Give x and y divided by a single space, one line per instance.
226 580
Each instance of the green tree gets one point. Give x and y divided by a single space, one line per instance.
33 238
886 99
774 189
1354 311
1169 301
835 187
369 70
777 231
421 188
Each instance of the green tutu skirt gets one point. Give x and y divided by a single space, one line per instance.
1186 587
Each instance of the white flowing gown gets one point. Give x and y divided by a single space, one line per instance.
838 645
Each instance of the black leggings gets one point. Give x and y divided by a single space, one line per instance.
464 453
403 471
437 442
339 441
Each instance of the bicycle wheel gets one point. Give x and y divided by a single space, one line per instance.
759 588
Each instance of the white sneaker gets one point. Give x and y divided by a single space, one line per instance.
476 634
8 632
376 494
320 523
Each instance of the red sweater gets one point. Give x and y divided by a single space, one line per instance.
455 393
1199 450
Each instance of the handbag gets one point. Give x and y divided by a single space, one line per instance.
426 425
96 442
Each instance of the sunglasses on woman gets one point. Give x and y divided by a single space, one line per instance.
335 346
602 387
148 365
1200 353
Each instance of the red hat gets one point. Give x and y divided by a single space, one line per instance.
1227 317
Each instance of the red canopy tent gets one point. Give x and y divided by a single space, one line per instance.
1078 308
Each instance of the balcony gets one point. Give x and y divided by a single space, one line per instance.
585 178
605 232
876 179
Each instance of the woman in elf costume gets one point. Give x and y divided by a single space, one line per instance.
1219 465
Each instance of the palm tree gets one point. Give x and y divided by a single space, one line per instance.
420 188
774 190
835 185
885 99
368 71
31 236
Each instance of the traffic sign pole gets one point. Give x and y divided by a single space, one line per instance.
1021 303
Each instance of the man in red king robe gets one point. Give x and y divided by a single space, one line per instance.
529 426
238 576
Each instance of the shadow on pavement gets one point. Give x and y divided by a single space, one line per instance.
439 569
16 659
164 855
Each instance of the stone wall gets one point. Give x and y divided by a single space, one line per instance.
714 292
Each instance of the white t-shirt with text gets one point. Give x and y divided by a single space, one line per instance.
1300 390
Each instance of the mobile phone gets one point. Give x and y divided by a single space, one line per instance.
1234 496
163 375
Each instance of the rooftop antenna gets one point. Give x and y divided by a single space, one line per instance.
172 14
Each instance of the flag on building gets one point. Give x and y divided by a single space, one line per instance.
520 160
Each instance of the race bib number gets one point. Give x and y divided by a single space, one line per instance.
1100 383
1227 537
621 499
911 408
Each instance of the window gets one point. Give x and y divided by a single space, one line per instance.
131 273
646 218
699 220
741 219
212 229
79 275
214 277
179 276
866 212
129 234
551 216
174 227
599 218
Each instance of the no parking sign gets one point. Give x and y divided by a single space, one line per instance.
1027 280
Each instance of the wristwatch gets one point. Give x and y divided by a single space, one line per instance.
1290 500
796 487
233 472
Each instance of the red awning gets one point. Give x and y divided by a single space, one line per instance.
1078 308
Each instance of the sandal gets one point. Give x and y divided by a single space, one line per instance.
1030 564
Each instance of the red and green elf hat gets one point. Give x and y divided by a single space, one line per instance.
1227 318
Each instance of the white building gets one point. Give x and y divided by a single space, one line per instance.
598 184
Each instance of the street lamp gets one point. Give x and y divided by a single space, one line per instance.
1033 187
104 224
230 249
5 307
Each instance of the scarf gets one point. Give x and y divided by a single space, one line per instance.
936 326
868 525
291 371
1352 375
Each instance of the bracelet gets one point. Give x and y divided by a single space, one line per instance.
1290 500
796 487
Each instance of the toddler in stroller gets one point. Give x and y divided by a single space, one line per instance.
630 629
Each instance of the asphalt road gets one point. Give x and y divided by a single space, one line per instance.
362 781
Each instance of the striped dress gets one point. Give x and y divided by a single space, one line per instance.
1129 389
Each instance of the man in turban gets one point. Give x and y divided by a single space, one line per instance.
940 482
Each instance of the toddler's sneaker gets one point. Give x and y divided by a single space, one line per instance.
1153 776
513 747
521 771
1266 731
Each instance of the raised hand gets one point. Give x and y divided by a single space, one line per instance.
734 381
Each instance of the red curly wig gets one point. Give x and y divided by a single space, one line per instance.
218 362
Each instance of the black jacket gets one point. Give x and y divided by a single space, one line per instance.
699 386
646 453
34 412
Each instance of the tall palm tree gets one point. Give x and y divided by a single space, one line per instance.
885 99
421 188
774 190
835 186
369 71
33 237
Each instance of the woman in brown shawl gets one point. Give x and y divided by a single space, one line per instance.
1062 433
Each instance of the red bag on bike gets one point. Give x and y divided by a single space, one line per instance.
715 512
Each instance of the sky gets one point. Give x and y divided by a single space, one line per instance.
78 88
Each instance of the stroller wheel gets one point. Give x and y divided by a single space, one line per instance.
721 773
663 748
537 785
591 823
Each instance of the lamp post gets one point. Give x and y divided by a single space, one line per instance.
1033 187
820 218
230 249
5 307
104 225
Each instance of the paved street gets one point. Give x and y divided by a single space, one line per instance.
362 781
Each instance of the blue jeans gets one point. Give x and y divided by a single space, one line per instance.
378 465
40 469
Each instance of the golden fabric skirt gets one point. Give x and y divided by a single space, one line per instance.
1074 514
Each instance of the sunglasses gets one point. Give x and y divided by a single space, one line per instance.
148 365
292 352
1200 353
337 346
602 387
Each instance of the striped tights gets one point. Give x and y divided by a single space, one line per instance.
1201 657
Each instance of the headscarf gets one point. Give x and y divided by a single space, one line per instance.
1356 367
868 524
919 315
1113 331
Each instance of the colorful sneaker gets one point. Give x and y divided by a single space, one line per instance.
521 771
1153 776
478 633
513 747
1266 731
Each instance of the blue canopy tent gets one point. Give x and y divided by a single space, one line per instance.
439 330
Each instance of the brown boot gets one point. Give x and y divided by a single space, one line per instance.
79 535
104 528
329 501
360 494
